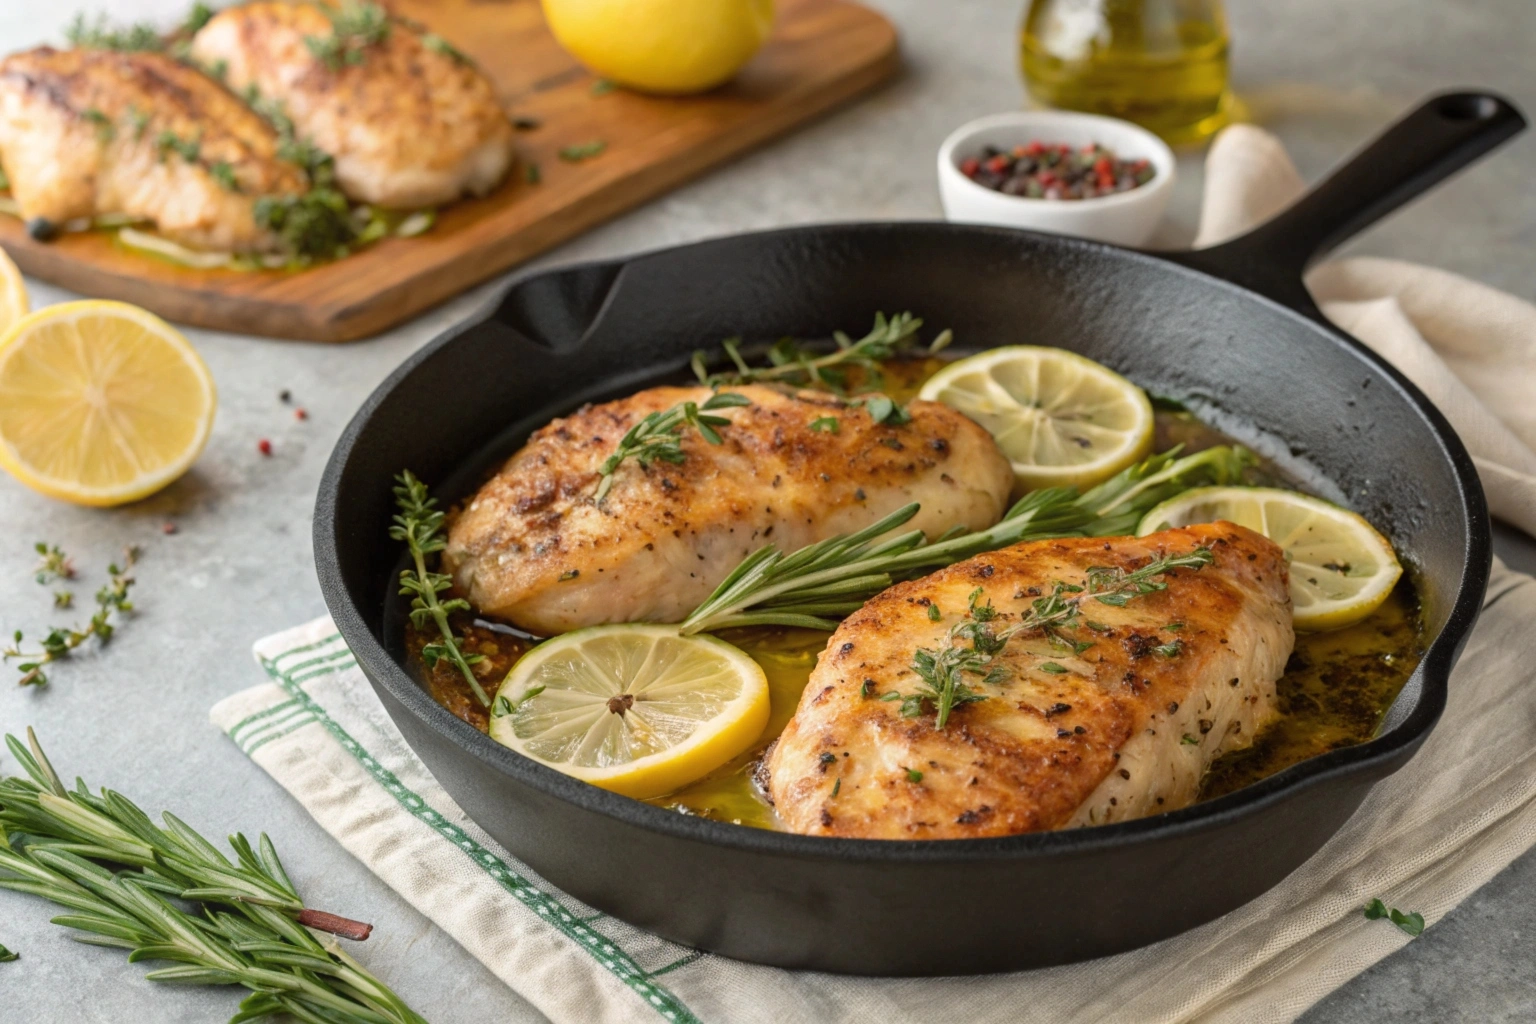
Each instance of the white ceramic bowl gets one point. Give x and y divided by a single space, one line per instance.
1125 218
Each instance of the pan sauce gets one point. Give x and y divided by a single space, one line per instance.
1336 688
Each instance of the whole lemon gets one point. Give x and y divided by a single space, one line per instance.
662 46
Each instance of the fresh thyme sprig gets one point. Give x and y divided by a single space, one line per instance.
819 584
943 671
657 436
251 928
420 523
60 641
52 564
802 365
355 26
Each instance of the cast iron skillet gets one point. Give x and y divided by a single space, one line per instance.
1229 330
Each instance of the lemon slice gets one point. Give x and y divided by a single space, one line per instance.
1063 420
13 293
100 402
636 709
1341 568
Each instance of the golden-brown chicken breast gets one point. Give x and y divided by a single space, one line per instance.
409 123
535 548
1113 711
88 132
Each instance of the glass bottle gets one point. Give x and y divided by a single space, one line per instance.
1159 63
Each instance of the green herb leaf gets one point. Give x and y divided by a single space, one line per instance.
53 564
1409 923
98 34
355 26
825 424
1174 627
1171 650
657 436
437 44
59 642
583 151
1053 668
531 173
224 174
934 615
1189 741
6 956
913 775
602 87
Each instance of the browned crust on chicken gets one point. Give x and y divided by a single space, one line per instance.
82 133
408 126
1124 731
534 548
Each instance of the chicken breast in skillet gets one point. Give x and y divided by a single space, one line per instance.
533 547
1066 734
409 122
88 132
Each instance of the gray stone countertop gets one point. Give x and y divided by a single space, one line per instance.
1323 75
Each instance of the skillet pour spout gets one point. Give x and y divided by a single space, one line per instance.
1228 330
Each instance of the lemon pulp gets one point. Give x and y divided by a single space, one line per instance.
1341 568
637 709
1061 419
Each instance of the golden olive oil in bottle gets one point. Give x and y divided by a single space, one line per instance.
1159 63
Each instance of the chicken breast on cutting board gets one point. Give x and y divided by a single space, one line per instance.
1121 729
89 132
533 547
408 125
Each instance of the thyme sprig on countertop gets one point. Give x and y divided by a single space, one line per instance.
943 671
420 524
61 641
52 564
118 873
657 436
821 583
802 365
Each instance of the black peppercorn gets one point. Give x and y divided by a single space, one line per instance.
42 229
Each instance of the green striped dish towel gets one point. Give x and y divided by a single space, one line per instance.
1425 838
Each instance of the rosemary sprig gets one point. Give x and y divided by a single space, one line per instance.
817 585
52 564
251 929
943 671
420 524
60 641
657 436
804 365
6 956
355 26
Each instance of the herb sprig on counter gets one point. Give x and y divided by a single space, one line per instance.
420 524
6 956
973 642
52 564
819 584
1410 924
802 364
118 873
60 641
355 26
657 436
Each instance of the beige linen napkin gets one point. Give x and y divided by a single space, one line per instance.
1470 348
1424 839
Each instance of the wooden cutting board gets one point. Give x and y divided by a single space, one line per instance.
822 52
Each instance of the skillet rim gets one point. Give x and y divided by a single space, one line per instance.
1384 753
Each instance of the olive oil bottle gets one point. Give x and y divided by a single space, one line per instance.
1159 63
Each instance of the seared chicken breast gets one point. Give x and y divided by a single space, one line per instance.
88 132
535 548
1115 716
408 123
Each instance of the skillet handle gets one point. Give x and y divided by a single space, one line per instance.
1446 133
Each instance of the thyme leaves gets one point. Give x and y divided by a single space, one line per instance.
657 437
61 641
355 26
419 523
1410 923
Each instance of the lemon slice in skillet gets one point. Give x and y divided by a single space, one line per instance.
636 709
1341 568
1063 420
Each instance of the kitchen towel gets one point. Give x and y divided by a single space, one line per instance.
1424 839
1470 348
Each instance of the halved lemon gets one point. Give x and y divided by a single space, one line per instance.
1062 419
100 402
13 293
1342 569
636 709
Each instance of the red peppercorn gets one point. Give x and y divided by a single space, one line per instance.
969 166
1034 148
1102 166
264 446
168 528
998 164
301 413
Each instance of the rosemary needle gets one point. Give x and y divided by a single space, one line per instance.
70 847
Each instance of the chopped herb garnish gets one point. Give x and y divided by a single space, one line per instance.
315 225
882 409
224 174
531 173
569 574
864 688
1053 668
1410 924
187 149
200 15
138 120
1097 627
437 44
1174 627
836 785
1189 741
1172 650
825 425
657 436
583 151
355 26
104 130
602 87
934 615
804 365
98 34
890 695
503 707
913 775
